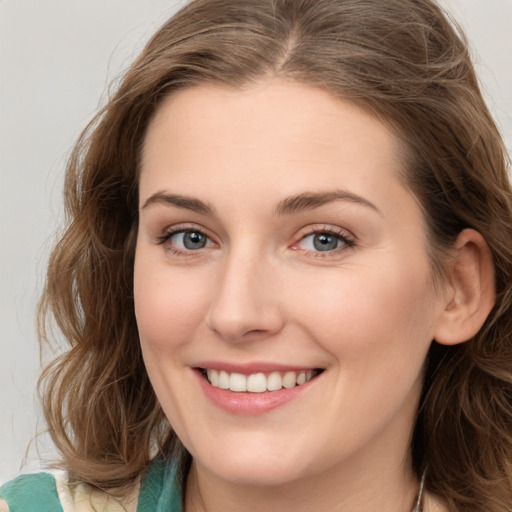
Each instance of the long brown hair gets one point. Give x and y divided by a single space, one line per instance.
401 60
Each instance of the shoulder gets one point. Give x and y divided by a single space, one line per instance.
37 492
51 492
160 491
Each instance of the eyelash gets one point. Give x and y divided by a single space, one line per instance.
346 240
167 235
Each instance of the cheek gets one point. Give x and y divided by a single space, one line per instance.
359 312
168 306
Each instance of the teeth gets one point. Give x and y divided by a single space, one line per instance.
274 381
258 382
289 380
223 380
213 377
237 382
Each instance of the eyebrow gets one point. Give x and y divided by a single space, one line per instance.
185 202
311 200
293 204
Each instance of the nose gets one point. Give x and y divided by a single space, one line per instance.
245 306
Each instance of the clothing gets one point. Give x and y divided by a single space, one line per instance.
50 492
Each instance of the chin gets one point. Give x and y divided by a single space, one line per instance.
256 472
261 464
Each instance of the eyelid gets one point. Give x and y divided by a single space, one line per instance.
349 240
166 234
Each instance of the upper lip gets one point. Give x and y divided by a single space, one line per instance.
252 367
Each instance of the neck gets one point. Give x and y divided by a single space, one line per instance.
382 489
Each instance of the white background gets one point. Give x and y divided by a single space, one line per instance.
56 59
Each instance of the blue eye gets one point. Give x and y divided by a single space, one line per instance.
189 240
324 242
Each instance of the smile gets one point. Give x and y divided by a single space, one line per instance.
254 388
258 382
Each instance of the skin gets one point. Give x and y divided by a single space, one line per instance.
259 291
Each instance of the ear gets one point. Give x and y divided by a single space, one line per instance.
470 290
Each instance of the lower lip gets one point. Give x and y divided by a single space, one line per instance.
250 404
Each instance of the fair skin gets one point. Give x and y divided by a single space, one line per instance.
276 236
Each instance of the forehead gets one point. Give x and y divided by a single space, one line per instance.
253 102
275 135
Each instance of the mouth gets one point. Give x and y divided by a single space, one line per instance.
259 382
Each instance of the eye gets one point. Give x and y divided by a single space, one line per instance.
325 241
190 240
186 240
321 242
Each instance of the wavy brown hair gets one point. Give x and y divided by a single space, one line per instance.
401 60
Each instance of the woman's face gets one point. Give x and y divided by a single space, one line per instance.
279 251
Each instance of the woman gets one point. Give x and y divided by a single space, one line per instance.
286 282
